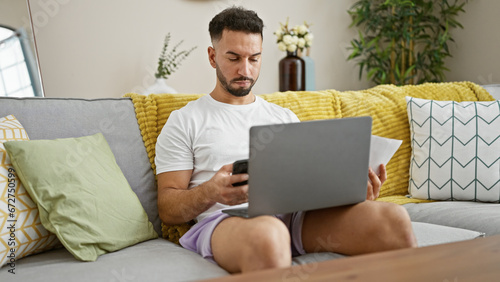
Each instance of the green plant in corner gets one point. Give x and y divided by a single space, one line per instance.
402 41
170 61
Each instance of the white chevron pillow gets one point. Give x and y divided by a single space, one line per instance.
455 150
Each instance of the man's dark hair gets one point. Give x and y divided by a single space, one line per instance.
235 19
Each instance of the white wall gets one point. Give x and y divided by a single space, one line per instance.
14 14
96 48
476 54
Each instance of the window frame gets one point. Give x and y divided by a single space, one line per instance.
29 59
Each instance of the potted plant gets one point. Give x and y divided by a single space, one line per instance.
403 42
296 72
168 62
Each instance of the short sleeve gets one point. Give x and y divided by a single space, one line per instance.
173 147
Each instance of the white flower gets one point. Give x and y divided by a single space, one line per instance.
287 39
301 43
309 37
302 29
282 46
291 39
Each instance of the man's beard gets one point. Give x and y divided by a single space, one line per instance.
238 92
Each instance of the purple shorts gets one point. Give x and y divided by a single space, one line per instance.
198 238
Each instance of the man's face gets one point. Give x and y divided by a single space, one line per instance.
236 58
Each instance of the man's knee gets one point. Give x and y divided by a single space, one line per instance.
268 233
268 241
241 245
397 231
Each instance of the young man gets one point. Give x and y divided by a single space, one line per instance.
194 156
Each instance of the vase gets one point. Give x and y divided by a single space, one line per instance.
310 74
159 87
292 73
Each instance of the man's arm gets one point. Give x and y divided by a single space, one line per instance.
178 204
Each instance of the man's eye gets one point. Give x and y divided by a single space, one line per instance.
233 59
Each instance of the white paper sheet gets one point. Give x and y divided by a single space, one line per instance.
381 151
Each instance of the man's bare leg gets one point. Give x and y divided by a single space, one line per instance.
362 228
262 242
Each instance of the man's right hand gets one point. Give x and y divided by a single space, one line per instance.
221 186
178 204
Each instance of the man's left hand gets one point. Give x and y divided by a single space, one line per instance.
375 182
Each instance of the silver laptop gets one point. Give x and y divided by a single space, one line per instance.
306 166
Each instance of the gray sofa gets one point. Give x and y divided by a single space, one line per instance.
159 259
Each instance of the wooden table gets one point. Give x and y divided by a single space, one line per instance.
473 260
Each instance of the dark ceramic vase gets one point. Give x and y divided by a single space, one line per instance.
292 73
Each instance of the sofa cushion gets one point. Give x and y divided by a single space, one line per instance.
481 217
428 234
21 232
81 194
50 118
154 260
455 150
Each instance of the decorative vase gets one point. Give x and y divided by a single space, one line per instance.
159 87
310 74
292 72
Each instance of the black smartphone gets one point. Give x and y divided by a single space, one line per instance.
240 166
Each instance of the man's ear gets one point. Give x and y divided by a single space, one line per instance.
211 56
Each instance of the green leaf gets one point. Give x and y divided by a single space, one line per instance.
372 72
385 29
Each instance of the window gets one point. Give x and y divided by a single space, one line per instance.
18 70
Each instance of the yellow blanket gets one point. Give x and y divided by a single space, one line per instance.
385 104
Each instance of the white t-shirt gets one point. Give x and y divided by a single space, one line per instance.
206 134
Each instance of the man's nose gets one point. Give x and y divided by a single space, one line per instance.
244 68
